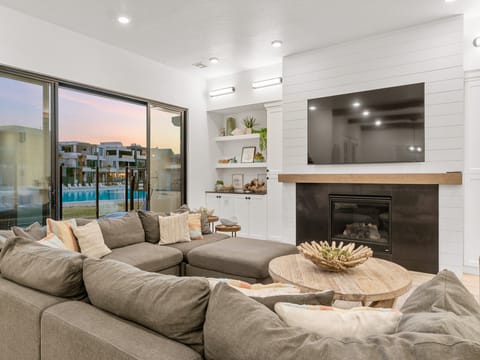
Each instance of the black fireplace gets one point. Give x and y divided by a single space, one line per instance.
361 219
398 222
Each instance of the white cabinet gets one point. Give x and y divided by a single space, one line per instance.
250 210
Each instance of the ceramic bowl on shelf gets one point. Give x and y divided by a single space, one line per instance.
229 222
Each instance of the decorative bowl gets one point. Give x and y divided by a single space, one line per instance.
229 222
335 258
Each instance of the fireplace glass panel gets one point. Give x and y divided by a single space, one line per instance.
361 219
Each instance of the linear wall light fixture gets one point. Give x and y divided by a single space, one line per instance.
223 91
268 82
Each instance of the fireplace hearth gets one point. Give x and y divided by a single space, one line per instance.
398 222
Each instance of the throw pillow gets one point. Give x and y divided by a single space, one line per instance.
57 272
52 241
172 306
238 328
174 228
63 230
122 231
3 240
151 225
271 294
90 240
442 306
195 226
32 232
358 322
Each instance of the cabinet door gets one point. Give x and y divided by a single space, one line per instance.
227 206
257 212
242 213
212 201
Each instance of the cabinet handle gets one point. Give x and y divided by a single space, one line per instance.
268 170
268 178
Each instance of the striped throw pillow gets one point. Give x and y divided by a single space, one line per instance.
174 228
63 230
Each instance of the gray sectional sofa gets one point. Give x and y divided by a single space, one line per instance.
57 305
134 240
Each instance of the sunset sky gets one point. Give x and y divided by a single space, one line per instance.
86 117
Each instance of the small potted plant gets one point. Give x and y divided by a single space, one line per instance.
250 122
219 185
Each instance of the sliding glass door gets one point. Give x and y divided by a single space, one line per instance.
102 153
25 150
166 160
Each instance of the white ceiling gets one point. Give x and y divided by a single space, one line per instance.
179 33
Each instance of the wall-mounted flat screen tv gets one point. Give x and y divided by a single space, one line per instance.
378 126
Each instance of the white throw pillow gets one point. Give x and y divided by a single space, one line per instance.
52 241
257 290
339 323
90 240
174 228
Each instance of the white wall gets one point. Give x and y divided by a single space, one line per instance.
244 94
31 44
430 53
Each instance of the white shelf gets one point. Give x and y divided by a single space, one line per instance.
241 165
237 137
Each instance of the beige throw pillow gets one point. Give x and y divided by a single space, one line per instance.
174 229
90 240
328 321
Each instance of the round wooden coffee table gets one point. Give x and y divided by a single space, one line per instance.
378 282
212 220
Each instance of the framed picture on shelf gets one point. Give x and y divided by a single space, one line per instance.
248 154
237 182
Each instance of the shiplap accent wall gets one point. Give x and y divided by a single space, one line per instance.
430 53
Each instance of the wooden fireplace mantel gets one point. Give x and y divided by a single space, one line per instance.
449 178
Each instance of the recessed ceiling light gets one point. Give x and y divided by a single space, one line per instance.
123 20
378 122
366 113
419 149
214 60
200 65
356 104
476 42
411 148
312 108
450 1
277 43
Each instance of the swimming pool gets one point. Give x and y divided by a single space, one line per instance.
88 194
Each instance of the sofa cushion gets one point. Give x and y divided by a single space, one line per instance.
122 231
238 328
239 256
56 272
21 310
442 306
146 256
32 232
78 331
185 247
151 225
172 306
